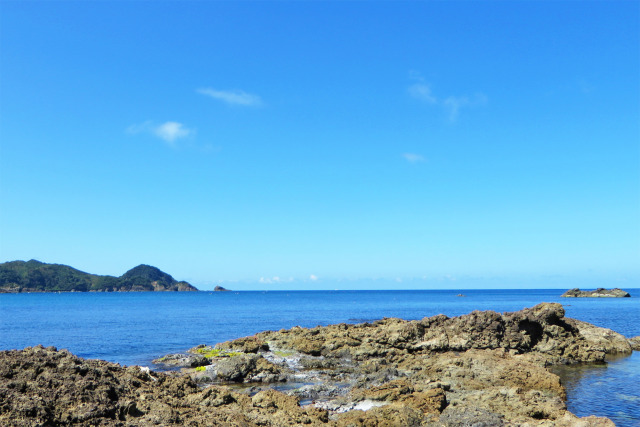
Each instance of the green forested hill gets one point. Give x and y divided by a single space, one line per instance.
36 276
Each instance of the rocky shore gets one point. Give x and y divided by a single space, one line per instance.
484 368
598 293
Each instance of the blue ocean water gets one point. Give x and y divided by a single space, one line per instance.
134 328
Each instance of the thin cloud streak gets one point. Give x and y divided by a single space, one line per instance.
413 157
451 104
233 97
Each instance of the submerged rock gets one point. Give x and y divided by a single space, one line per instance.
598 293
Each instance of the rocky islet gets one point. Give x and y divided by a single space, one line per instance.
484 368
598 293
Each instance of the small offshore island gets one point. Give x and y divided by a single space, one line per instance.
36 276
598 293
483 368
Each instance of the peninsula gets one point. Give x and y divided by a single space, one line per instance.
36 276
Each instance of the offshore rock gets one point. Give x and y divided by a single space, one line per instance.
635 343
598 293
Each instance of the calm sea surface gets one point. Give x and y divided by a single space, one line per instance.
134 328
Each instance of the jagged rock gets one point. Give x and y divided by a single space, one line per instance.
484 368
235 368
541 329
248 368
182 360
245 345
635 343
43 386
465 416
606 340
598 293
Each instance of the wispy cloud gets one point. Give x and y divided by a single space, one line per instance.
276 279
422 92
413 157
313 277
233 97
451 104
169 131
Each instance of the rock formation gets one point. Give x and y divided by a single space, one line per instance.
598 293
483 368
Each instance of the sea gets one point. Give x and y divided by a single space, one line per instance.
135 328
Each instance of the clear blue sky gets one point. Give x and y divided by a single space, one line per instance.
296 145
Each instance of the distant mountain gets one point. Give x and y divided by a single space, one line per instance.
36 276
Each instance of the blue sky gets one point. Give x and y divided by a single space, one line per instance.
297 145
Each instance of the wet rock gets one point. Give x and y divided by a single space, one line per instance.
598 293
318 391
239 368
634 343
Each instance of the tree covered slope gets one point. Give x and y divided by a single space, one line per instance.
36 276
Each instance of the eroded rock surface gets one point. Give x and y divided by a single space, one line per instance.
484 368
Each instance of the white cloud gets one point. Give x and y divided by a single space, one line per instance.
422 92
168 131
313 277
413 157
233 97
451 104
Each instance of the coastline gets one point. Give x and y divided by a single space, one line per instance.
400 370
